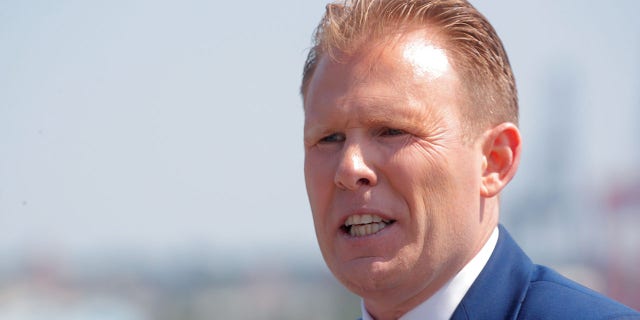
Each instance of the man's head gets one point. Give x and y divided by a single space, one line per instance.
402 166
476 50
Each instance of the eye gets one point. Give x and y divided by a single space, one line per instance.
333 138
390 132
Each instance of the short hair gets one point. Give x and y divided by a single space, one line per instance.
477 52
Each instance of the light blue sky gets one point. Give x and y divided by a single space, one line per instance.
164 125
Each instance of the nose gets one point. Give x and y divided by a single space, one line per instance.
354 170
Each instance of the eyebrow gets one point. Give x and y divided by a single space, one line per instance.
380 111
401 113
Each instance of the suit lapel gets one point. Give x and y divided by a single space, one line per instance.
501 287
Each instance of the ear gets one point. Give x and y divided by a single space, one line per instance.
501 155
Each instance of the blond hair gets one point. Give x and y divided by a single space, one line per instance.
478 54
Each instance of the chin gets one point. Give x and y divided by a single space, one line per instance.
368 276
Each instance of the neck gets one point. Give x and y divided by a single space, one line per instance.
382 307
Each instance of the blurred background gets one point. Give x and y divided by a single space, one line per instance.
151 156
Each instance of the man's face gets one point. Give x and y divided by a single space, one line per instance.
393 188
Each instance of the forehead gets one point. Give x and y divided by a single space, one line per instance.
405 69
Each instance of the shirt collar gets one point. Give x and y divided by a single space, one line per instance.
444 302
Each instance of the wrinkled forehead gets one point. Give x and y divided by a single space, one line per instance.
424 54
412 71
417 55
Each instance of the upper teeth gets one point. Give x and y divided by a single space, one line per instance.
362 225
363 219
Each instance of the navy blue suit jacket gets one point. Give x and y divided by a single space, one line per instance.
511 287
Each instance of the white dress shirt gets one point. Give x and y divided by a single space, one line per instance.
445 301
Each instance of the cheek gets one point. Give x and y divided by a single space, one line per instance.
319 182
422 176
425 182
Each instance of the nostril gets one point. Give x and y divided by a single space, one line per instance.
364 181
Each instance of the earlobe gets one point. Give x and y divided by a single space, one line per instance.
501 156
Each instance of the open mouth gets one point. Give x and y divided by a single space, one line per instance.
364 225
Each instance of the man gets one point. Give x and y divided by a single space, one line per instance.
410 135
